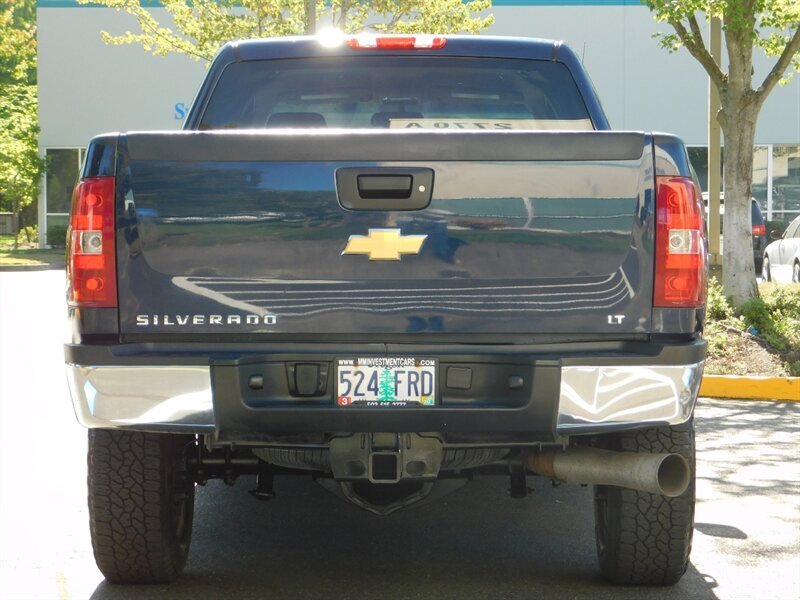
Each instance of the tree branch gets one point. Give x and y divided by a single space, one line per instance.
395 20
779 68
188 47
695 27
694 44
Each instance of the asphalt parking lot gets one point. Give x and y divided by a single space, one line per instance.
475 543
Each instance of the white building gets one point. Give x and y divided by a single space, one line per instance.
87 87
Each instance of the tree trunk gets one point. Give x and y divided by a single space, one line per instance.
311 17
16 209
738 121
738 270
22 225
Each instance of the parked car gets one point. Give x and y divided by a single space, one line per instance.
758 224
782 257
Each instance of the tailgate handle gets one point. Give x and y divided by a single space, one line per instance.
384 188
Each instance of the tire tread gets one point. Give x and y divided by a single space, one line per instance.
650 535
132 484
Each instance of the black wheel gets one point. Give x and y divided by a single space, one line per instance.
767 276
141 504
642 538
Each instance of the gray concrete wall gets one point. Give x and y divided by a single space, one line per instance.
87 87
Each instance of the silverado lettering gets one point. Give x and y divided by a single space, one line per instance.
154 320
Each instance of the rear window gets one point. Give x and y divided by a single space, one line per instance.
400 92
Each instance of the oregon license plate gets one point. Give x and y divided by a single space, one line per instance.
385 382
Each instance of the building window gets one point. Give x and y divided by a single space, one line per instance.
698 156
785 183
62 175
761 156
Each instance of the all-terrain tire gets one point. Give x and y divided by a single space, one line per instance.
643 538
141 504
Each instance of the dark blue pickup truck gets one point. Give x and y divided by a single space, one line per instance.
392 263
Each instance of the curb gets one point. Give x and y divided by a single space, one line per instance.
39 267
751 388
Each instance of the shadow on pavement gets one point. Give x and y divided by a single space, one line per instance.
764 436
748 474
480 544
721 531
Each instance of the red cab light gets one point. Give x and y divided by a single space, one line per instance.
396 42
759 230
680 270
92 269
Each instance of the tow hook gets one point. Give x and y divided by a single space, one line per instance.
384 458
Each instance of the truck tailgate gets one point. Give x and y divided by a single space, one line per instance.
525 232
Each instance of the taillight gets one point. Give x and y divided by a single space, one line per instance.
759 230
680 278
396 42
92 274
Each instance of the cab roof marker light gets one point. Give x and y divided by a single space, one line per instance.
429 41
396 42
363 42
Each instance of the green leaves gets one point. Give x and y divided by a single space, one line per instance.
769 25
17 44
200 27
439 16
20 163
671 42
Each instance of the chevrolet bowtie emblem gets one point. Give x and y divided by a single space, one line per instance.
384 244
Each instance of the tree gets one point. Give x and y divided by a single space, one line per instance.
772 26
387 386
201 27
21 166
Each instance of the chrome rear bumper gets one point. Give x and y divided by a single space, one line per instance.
591 399
155 398
594 399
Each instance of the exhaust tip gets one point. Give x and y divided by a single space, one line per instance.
673 475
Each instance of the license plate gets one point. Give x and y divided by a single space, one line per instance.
385 382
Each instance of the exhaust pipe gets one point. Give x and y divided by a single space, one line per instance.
665 474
